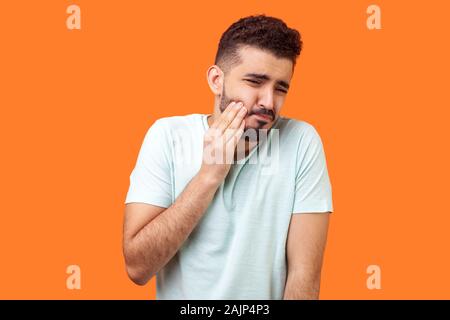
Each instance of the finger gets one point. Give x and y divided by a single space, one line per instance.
224 113
238 119
229 117
234 133
228 142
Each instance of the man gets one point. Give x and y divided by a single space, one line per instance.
214 223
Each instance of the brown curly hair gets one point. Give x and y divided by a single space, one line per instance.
266 33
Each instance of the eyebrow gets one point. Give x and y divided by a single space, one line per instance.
265 77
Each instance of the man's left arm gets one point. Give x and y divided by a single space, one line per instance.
305 247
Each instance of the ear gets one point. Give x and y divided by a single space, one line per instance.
215 78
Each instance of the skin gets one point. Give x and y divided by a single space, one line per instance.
261 82
153 235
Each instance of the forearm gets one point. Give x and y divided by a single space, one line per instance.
302 286
158 241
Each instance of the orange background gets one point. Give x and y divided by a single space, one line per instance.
75 106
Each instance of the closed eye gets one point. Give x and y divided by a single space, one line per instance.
258 82
253 81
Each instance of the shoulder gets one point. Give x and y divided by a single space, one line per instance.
176 122
299 131
178 131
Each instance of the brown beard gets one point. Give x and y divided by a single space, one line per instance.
225 101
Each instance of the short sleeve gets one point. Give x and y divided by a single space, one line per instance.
313 191
150 180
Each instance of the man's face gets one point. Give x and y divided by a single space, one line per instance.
261 82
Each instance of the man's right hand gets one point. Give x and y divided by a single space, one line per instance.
220 141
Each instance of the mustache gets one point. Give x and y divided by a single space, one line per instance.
263 112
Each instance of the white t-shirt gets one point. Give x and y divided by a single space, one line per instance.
238 248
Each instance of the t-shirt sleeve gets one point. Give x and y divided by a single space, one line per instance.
150 180
313 191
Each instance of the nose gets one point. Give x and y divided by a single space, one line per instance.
266 101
